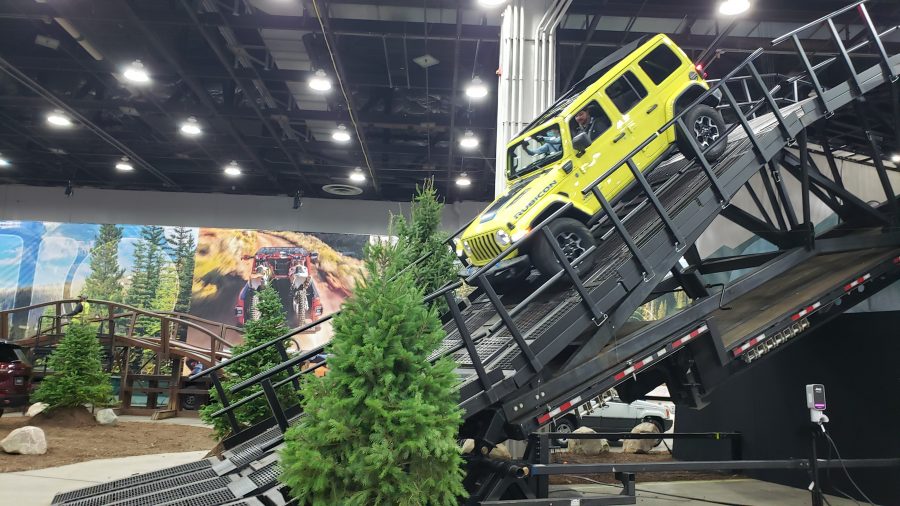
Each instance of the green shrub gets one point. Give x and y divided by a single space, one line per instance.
380 428
77 366
271 324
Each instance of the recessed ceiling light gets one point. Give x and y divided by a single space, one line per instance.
469 141
357 175
320 81
124 165
734 7
426 60
59 119
895 158
136 73
341 134
4 162
476 89
463 180
491 3
191 127
232 169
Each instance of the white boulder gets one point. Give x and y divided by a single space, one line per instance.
106 417
641 445
500 452
587 446
36 408
25 441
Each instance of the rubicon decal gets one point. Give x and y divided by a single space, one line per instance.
535 199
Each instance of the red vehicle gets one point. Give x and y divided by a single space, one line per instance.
15 376
289 270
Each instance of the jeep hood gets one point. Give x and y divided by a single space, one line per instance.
519 196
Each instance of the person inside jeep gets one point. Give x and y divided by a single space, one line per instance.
551 143
590 120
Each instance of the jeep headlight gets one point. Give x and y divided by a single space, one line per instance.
467 248
502 237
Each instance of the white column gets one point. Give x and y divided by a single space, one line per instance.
527 70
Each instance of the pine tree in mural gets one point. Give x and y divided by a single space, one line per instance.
381 426
271 324
105 279
422 235
182 248
149 256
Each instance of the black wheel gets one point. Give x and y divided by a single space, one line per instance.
573 238
659 428
706 126
510 285
566 425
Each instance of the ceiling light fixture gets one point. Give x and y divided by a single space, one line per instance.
469 141
341 134
4 162
463 180
191 127
124 165
320 81
895 158
59 119
136 73
491 3
232 169
734 7
476 89
357 175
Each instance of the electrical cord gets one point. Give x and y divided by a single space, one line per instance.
831 482
841 460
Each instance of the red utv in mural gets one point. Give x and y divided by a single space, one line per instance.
290 271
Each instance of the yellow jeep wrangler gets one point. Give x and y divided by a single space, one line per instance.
620 103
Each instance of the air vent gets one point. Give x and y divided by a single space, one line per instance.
344 190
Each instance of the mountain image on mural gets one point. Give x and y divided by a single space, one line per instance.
150 267
312 272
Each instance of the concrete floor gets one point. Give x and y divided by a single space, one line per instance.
699 493
37 488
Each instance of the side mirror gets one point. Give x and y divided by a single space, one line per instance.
581 142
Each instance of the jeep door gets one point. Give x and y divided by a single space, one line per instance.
599 156
637 115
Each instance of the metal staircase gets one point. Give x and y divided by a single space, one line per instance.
527 358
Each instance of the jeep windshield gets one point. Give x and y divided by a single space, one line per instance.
534 152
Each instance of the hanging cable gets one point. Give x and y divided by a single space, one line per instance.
841 460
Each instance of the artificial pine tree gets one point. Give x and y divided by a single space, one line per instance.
105 280
182 248
271 324
78 376
380 428
422 235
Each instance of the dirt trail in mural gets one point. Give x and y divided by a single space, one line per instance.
220 273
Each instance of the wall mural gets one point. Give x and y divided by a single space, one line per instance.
210 273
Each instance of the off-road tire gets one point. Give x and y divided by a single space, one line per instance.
574 239
706 125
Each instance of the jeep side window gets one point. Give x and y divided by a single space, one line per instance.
660 63
591 119
626 92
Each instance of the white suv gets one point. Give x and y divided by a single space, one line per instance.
613 415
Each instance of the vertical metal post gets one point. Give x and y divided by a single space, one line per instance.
743 121
704 163
284 358
620 228
543 481
223 399
755 198
274 404
845 57
783 195
769 99
509 323
597 316
876 41
829 156
804 188
812 76
467 340
878 161
814 490
660 209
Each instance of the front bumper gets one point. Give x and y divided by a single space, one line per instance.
13 400
505 270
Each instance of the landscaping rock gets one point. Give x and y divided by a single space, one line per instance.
36 408
641 445
106 417
26 440
500 452
587 446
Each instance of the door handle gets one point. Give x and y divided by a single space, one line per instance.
619 137
652 108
